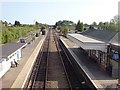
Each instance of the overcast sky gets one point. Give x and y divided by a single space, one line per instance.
51 11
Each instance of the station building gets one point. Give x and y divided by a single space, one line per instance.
102 47
8 53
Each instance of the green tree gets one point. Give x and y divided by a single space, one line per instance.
114 23
112 26
64 23
118 26
80 26
94 24
17 23
100 25
42 27
116 19
5 23
9 34
65 30
6 36
36 23
105 25
59 23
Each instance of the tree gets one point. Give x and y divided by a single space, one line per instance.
94 24
5 23
65 30
59 23
105 25
80 26
64 23
118 26
6 36
17 23
100 25
116 19
43 27
112 26
36 23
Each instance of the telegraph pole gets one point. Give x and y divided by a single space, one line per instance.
118 46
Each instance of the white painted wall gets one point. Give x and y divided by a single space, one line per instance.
5 64
4 67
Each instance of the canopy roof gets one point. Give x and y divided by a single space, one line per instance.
87 42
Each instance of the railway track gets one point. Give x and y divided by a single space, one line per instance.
71 74
38 75
45 73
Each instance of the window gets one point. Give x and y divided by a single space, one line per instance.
1 68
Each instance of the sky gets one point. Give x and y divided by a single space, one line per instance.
51 11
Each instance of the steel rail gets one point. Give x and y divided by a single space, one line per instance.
46 71
33 74
40 61
71 78
37 65
57 40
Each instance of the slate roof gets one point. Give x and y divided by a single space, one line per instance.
116 39
102 35
9 48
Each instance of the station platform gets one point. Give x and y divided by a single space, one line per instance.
16 77
100 79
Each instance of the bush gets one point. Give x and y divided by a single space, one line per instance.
11 33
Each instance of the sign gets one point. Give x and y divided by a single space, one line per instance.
115 56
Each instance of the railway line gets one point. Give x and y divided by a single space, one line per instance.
53 67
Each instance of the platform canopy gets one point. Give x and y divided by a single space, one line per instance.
87 42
